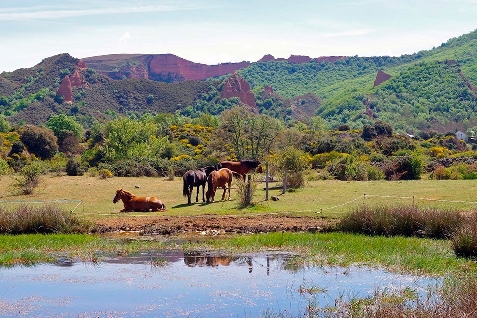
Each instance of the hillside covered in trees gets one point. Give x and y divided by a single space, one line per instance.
430 90
333 116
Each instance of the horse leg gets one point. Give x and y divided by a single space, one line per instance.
230 185
189 194
197 195
203 197
223 194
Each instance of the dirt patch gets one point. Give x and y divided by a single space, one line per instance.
165 225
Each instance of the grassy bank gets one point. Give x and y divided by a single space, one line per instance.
411 255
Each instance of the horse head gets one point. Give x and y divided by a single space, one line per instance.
118 196
209 169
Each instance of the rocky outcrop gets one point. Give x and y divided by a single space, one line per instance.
236 86
65 90
381 77
66 87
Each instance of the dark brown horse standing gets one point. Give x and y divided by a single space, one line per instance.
195 178
218 179
138 204
241 167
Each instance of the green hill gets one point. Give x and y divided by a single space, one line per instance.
428 90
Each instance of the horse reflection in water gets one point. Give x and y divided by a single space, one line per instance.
197 259
136 203
200 259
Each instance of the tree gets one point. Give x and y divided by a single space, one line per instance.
127 138
40 141
248 135
61 122
4 124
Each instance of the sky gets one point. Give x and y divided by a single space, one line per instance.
219 31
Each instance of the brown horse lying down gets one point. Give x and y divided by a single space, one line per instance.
218 179
241 167
138 204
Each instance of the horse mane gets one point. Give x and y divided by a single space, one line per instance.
250 163
127 193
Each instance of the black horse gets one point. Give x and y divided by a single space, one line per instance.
195 178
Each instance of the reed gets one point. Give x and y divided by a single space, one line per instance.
41 219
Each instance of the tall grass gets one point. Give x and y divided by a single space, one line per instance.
42 219
402 220
455 299
460 227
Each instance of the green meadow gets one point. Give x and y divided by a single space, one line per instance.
90 198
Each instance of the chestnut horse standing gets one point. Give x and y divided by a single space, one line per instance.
138 204
241 167
195 178
218 179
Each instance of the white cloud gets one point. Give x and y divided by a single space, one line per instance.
41 12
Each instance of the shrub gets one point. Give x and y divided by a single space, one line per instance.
464 241
375 173
40 141
29 177
44 219
73 168
4 168
243 197
104 174
402 220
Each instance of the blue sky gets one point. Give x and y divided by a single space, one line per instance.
216 31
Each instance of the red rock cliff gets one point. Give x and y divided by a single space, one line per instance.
236 86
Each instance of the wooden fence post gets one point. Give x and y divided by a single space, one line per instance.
266 181
284 182
249 189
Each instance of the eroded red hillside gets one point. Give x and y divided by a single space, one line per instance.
171 68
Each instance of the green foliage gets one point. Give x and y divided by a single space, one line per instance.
73 168
245 134
125 138
4 167
39 141
60 123
29 177
458 171
4 124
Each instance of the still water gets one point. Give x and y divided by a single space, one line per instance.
174 284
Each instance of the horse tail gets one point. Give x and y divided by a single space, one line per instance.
237 175
185 190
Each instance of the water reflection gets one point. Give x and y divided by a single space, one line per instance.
192 284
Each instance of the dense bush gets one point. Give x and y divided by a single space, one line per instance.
40 141
43 219
74 168
402 220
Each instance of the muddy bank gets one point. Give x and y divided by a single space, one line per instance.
166 225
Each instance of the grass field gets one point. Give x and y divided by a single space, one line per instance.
327 198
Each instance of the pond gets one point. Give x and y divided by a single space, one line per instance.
178 284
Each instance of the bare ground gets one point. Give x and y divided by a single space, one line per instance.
165 225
